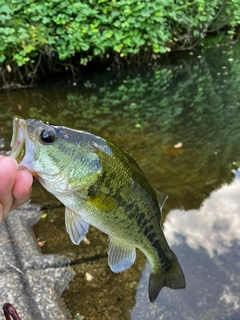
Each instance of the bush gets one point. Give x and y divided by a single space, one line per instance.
59 30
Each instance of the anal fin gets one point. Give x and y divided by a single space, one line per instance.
75 226
121 256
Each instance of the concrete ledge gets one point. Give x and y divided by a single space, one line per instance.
30 281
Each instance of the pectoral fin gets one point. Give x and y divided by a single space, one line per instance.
103 201
121 256
75 226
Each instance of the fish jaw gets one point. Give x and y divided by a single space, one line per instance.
23 148
18 139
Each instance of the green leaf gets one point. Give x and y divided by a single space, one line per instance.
84 46
107 34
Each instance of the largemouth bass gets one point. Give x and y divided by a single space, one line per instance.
100 185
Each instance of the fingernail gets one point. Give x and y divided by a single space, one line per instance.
1 213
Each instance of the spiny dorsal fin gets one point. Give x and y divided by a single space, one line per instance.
162 197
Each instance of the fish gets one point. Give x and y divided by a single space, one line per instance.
103 186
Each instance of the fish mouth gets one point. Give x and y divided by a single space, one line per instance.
22 147
18 139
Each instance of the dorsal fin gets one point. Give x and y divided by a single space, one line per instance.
162 197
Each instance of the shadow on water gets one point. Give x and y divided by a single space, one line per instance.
181 122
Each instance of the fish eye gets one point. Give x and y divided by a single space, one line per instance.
47 136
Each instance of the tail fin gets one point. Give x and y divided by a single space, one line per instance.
172 278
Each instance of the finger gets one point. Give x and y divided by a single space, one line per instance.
22 188
19 202
8 169
22 185
1 213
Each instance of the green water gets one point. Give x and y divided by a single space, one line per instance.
181 121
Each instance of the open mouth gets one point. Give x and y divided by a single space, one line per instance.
23 148
18 139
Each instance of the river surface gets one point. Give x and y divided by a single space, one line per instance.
180 120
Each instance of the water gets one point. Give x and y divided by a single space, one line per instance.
181 121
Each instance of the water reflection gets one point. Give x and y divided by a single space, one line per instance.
207 241
181 122
214 227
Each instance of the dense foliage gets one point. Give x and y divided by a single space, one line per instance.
32 31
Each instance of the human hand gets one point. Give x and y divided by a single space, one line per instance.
15 186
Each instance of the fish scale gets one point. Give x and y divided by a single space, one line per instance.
103 186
